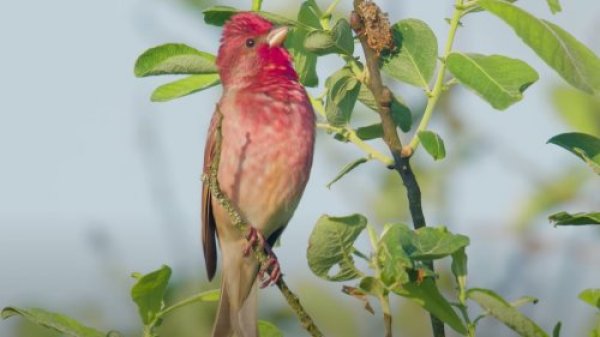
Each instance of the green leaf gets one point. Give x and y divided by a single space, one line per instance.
346 169
575 62
566 219
305 62
521 301
54 321
338 40
586 147
433 144
415 57
174 58
342 92
184 87
499 80
460 271
400 111
369 132
427 295
256 5
556 330
372 286
267 329
554 6
591 297
580 110
393 250
331 244
218 15
497 307
433 243
148 293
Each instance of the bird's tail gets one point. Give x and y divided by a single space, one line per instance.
237 311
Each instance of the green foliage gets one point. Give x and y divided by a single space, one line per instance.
266 329
575 62
218 15
503 311
499 80
413 61
427 295
342 92
178 59
148 293
400 249
256 5
567 219
460 271
432 243
305 62
346 169
554 6
433 144
398 260
400 111
591 297
338 40
369 132
54 321
184 87
580 110
331 244
174 58
586 147
392 257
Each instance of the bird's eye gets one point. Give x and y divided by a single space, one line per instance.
250 43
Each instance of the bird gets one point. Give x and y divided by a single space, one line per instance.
268 135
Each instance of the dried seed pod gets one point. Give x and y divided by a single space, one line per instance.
376 26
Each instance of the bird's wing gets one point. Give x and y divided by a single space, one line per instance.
208 219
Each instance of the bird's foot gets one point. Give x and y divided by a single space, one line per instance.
255 239
270 271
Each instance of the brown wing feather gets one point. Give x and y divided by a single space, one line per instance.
208 219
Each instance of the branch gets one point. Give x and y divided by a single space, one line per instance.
438 87
351 136
366 15
243 227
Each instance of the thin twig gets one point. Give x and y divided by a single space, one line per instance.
239 222
351 136
383 97
439 86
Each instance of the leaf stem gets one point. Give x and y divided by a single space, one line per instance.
241 224
438 87
384 299
196 298
350 134
331 8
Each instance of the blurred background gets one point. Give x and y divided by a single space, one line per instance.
97 182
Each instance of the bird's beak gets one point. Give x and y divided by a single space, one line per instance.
277 36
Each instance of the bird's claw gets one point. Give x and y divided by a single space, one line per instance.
255 239
269 277
270 271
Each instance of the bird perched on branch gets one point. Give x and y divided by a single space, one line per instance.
266 156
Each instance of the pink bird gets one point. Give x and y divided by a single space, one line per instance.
266 157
